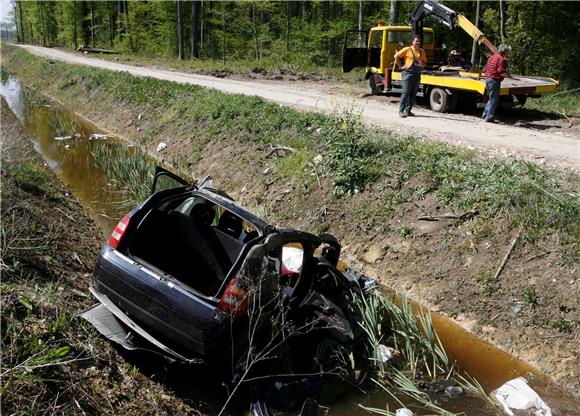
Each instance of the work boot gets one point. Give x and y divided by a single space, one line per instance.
402 114
410 114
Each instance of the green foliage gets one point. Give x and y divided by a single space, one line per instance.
30 176
562 103
349 153
293 35
129 167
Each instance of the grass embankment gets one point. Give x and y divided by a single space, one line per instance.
52 361
369 188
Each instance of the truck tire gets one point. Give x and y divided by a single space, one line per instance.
375 84
439 100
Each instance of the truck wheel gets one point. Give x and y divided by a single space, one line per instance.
439 100
454 99
375 84
521 99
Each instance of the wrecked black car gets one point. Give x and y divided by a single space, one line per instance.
196 277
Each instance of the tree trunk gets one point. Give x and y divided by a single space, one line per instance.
179 31
474 46
92 24
41 23
360 15
502 21
193 29
224 33
75 25
23 38
255 30
394 12
202 26
287 25
111 10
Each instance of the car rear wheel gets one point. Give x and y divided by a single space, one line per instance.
439 100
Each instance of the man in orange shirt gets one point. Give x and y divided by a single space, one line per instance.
411 60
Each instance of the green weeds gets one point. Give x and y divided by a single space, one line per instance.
562 103
356 158
129 168
30 177
417 355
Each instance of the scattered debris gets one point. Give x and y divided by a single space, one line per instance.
278 149
98 136
161 147
90 49
403 411
517 308
61 138
453 391
450 216
507 255
517 395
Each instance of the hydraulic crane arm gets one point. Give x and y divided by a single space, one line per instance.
449 18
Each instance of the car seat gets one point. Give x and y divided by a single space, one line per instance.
230 224
202 214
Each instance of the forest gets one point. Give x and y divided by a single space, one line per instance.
304 35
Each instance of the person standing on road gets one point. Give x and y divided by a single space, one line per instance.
495 71
411 60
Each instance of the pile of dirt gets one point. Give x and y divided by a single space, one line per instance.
52 361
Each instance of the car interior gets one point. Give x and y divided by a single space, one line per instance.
193 240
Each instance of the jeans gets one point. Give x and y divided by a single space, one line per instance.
493 86
411 80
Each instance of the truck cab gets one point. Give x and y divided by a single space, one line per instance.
377 52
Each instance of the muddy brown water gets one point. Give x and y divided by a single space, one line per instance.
65 141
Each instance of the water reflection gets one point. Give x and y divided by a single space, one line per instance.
64 141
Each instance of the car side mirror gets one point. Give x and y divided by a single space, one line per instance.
208 181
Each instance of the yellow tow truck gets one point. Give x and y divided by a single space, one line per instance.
444 85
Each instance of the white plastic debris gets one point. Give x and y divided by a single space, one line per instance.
453 391
161 147
403 411
291 259
61 138
517 395
317 160
97 136
386 353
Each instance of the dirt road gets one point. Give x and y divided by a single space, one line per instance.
543 141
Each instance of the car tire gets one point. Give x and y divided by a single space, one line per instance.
439 100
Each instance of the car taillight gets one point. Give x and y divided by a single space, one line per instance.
118 232
234 299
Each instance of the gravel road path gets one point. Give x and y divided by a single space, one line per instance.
542 141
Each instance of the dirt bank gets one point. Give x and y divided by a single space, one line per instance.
531 310
52 362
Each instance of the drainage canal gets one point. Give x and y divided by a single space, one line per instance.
66 142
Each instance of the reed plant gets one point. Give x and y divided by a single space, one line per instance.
419 355
128 168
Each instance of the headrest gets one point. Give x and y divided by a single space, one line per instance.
203 214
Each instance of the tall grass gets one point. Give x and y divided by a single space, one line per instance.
129 168
420 359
